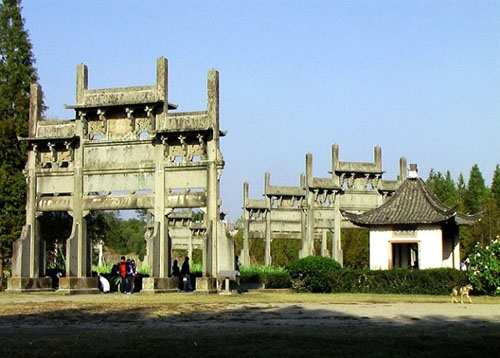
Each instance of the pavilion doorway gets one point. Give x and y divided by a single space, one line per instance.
405 255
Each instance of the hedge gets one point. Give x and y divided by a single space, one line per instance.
270 276
429 282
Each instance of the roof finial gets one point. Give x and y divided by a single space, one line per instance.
413 172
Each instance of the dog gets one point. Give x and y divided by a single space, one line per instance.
462 291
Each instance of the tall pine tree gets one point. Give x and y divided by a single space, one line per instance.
475 200
443 187
495 187
476 193
460 193
17 73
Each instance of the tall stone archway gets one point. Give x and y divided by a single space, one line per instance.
123 150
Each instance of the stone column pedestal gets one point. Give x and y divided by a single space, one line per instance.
160 284
206 285
78 285
28 284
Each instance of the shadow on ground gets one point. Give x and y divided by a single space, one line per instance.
241 331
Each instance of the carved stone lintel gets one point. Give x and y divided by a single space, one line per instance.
366 180
166 147
203 146
182 140
342 179
315 195
322 198
130 115
53 152
71 150
102 117
150 115
376 181
350 181
83 117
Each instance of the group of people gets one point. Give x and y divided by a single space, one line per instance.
183 274
127 271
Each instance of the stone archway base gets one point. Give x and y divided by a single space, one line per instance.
78 285
28 284
160 284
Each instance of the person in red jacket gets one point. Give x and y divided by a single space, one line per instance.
123 268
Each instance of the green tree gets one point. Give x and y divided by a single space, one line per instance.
17 73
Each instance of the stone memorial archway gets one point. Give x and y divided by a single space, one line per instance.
124 150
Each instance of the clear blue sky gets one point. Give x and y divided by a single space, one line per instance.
419 78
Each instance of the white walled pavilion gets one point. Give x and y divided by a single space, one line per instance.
413 229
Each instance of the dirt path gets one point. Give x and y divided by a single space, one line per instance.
51 311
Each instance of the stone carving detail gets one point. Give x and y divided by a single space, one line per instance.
199 232
184 147
53 155
257 214
96 128
143 125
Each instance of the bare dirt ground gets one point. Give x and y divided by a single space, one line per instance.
257 324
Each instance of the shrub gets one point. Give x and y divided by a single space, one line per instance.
311 274
484 268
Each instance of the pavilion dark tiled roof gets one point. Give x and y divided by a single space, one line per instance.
412 203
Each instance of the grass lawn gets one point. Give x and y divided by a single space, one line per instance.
255 324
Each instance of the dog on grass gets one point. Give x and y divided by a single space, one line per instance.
462 292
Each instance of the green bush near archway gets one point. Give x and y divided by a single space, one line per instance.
311 274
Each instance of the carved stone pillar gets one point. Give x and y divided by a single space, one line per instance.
160 243
303 231
214 158
78 247
78 258
27 256
267 257
336 243
245 252
324 248
190 245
